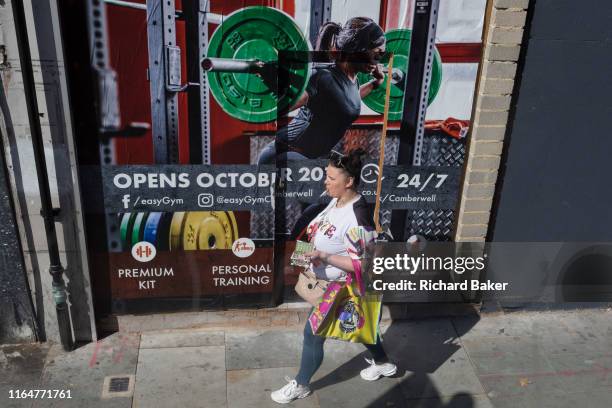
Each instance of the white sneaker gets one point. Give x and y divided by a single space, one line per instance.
290 392
375 371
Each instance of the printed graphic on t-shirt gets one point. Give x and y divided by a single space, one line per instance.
327 228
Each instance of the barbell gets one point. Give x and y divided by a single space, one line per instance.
243 69
259 67
398 43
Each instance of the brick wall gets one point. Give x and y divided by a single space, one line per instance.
502 44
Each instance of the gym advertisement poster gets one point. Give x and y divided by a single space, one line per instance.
199 203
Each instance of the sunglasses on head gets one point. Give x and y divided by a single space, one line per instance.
336 159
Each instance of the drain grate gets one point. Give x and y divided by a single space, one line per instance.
118 386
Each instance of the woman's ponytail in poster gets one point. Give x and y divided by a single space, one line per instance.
326 39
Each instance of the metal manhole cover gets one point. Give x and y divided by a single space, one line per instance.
118 386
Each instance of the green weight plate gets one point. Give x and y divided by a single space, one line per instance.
139 226
127 223
258 33
398 42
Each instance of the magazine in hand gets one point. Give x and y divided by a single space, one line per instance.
298 258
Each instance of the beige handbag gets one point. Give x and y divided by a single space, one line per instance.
310 288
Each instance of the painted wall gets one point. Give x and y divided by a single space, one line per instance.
558 153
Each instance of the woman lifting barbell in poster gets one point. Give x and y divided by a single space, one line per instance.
332 100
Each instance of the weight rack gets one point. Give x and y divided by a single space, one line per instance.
107 103
198 97
164 75
320 13
432 224
165 80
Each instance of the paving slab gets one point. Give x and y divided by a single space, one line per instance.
183 377
496 346
343 387
456 401
508 402
21 368
475 327
522 386
181 338
454 375
6 389
573 343
263 349
83 371
583 372
569 332
421 332
591 323
422 358
406 344
506 355
252 388
596 399
544 325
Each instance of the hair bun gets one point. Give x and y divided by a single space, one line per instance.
358 152
354 163
356 156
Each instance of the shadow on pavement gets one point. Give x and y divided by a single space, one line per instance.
433 369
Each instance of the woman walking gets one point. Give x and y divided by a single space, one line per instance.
340 234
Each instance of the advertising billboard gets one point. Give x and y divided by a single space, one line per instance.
231 111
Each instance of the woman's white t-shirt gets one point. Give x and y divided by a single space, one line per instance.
341 231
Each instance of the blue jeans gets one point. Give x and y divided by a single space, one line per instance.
312 354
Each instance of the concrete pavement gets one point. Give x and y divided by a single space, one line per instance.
519 360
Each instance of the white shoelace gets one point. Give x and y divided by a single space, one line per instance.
288 389
371 361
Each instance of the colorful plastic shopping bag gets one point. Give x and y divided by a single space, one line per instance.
343 315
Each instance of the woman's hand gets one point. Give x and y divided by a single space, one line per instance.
316 257
368 87
378 74
339 261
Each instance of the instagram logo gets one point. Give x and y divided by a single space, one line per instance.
205 200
